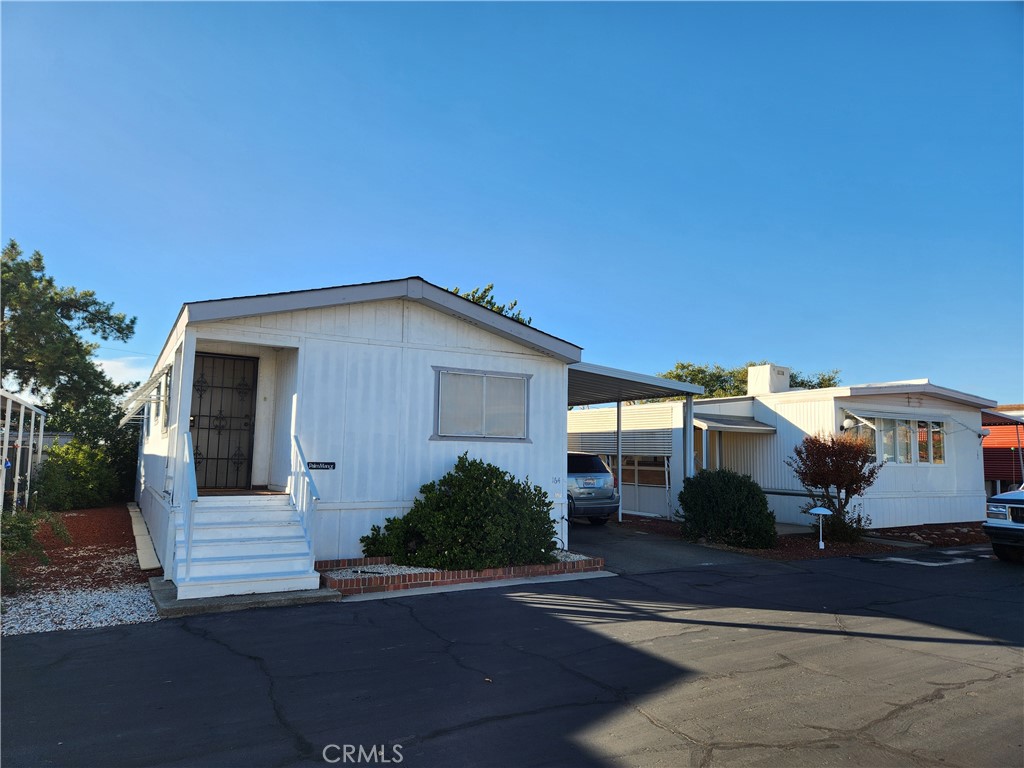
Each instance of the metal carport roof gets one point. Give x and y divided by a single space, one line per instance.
991 418
591 384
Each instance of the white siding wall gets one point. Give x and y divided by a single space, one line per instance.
366 401
908 494
286 396
157 451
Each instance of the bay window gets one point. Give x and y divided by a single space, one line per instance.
902 441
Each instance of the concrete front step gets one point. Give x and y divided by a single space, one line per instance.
243 566
212 586
247 514
238 502
251 546
241 529
244 545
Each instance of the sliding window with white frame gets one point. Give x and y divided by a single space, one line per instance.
481 405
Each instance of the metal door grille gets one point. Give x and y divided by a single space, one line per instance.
222 420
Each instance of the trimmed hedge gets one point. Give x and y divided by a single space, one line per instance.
726 507
477 516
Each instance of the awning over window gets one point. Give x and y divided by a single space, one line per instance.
594 384
719 423
137 400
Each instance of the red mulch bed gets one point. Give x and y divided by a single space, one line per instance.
101 554
805 546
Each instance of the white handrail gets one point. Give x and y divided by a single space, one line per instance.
191 497
303 492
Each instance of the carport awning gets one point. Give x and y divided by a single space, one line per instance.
996 419
593 384
718 423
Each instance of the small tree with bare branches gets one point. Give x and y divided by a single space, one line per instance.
834 469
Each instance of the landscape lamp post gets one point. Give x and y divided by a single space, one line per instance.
820 512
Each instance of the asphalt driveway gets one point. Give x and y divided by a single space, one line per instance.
831 662
628 551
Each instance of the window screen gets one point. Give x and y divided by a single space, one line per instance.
481 405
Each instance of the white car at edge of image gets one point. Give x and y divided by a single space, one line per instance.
1004 525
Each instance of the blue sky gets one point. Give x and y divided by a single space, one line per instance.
822 185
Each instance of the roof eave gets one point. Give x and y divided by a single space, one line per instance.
412 288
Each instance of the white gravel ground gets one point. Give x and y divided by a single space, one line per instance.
76 609
569 557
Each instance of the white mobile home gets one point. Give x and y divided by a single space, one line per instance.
928 436
279 428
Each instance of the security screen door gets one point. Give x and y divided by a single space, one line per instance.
221 420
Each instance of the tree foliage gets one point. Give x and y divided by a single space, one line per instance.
732 382
485 298
834 469
42 327
95 421
45 352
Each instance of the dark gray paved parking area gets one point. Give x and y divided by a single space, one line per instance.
833 662
628 550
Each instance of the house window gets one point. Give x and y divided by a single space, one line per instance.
930 448
865 433
896 437
903 441
482 405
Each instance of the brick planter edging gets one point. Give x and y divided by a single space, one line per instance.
363 584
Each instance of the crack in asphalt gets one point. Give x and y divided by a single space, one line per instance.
786 663
449 645
835 736
302 745
862 733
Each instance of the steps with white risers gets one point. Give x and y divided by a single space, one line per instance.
244 545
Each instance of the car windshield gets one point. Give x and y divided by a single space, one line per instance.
585 463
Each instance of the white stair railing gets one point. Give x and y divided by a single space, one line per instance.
191 497
303 493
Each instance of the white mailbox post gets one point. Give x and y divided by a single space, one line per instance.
820 512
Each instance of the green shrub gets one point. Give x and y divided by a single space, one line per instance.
76 476
476 516
725 507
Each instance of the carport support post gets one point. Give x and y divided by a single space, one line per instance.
17 456
618 450
7 448
688 437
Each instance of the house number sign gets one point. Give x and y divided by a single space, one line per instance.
320 465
